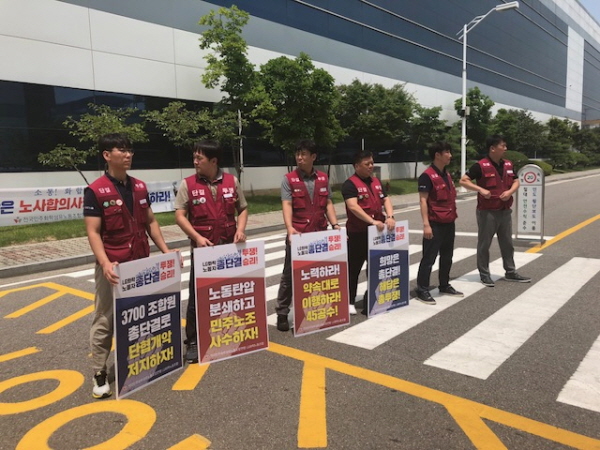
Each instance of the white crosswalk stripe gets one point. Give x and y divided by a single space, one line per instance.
583 389
380 329
480 351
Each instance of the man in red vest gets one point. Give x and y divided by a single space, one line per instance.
205 209
437 199
305 201
118 219
496 184
365 204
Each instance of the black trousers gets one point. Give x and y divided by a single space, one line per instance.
357 255
442 243
190 315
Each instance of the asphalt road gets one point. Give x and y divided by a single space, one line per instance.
515 366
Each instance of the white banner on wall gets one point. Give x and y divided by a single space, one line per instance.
53 204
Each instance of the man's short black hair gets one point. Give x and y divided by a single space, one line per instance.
306 144
360 155
210 149
113 140
493 140
438 147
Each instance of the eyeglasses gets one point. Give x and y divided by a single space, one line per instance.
125 150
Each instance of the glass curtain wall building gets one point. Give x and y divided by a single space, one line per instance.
59 56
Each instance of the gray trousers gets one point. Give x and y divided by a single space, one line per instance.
101 333
490 223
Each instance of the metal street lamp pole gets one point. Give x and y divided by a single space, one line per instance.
462 34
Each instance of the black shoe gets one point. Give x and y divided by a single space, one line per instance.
425 297
282 322
449 290
191 354
487 281
101 387
514 276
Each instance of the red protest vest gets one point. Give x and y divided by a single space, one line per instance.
370 199
213 219
308 214
123 234
441 202
491 180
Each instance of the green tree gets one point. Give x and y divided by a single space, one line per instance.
297 101
479 118
379 115
178 124
101 119
426 127
587 141
229 68
523 133
559 142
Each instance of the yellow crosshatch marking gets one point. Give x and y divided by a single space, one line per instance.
60 291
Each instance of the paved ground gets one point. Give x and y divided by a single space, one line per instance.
31 258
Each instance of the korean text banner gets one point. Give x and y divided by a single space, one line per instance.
53 204
40 205
147 321
388 281
319 281
231 304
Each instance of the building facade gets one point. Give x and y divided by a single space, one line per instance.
60 55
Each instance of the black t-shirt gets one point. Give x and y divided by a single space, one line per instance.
92 208
349 188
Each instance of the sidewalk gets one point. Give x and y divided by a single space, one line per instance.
27 259
33 258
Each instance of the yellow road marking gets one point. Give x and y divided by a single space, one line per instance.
19 354
190 377
312 426
68 382
140 419
60 291
472 413
564 234
194 442
34 305
66 321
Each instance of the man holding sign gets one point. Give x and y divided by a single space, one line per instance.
205 209
305 201
118 219
365 202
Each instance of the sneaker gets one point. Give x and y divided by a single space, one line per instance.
352 310
101 387
191 354
449 290
487 281
514 276
282 322
425 297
